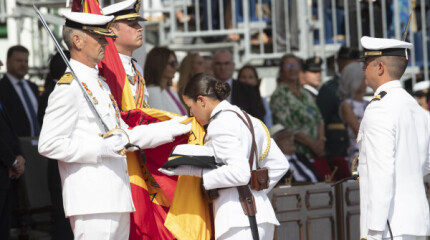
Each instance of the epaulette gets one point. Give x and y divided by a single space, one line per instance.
379 96
66 79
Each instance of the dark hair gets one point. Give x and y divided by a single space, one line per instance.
253 71
156 61
17 48
257 87
57 66
206 85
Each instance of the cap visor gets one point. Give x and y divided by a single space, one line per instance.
197 161
106 34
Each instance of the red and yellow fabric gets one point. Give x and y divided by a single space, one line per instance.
153 192
189 215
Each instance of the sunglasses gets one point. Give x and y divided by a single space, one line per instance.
173 64
291 66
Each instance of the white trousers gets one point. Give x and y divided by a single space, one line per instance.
403 237
265 230
407 237
101 226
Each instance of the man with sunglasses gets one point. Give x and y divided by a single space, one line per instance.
242 95
393 139
126 27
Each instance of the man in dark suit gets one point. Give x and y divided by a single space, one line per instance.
299 163
20 97
242 95
11 167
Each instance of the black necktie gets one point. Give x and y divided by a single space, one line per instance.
30 108
299 169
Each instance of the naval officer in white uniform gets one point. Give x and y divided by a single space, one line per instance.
96 188
126 27
394 140
230 139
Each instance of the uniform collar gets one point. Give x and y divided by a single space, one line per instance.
125 59
311 89
388 85
221 106
83 70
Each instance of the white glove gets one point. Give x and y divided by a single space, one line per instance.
374 235
183 170
177 128
112 145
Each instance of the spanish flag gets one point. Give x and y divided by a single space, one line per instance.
153 192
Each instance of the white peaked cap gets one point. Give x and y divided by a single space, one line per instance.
420 86
384 47
125 10
93 23
87 18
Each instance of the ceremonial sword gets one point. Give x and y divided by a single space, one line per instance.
108 132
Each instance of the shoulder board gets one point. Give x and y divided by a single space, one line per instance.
66 79
379 96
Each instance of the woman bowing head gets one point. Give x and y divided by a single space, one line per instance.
229 137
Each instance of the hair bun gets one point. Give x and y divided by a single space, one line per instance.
222 90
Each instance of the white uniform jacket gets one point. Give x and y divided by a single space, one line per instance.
70 133
231 141
394 140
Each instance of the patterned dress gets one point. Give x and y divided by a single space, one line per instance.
296 114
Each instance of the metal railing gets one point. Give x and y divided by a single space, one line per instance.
305 28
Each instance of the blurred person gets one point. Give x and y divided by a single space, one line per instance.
310 77
351 90
420 93
328 103
248 74
393 139
300 166
242 95
96 188
208 65
160 68
231 139
192 64
19 96
129 38
294 108
12 166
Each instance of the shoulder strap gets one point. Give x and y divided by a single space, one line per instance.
251 129
67 78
